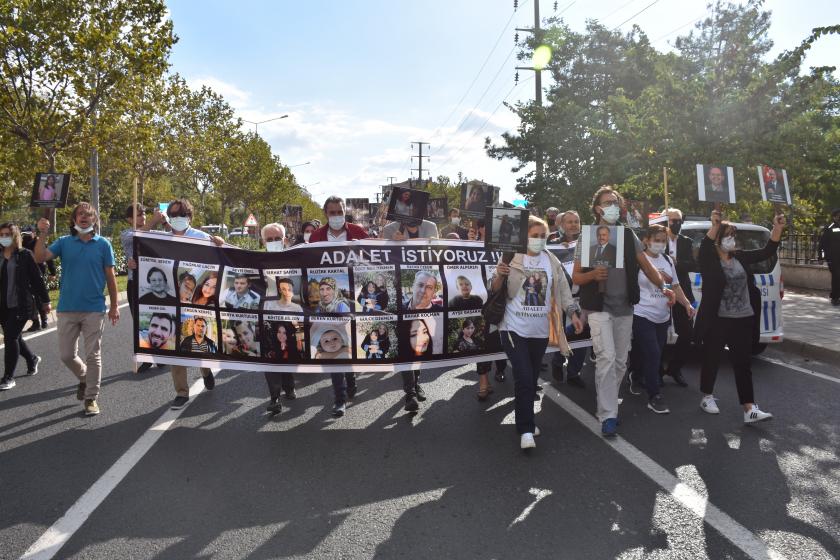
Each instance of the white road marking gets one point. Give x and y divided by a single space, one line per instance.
799 369
53 329
48 545
736 533
539 494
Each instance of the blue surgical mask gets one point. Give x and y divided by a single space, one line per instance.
274 246
179 223
336 222
5 241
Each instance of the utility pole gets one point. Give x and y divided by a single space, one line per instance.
537 31
419 157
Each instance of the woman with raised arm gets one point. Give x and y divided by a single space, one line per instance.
730 311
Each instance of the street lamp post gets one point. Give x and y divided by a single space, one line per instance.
257 124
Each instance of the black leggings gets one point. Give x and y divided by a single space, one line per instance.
737 334
15 345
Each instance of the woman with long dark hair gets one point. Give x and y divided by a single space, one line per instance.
20 280
281 347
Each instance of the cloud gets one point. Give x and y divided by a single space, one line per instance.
352 154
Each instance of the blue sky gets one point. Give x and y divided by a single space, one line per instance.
361 80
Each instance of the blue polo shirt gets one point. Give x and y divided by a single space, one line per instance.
82 272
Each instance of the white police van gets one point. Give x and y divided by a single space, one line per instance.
768 277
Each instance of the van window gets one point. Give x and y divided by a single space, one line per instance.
747 240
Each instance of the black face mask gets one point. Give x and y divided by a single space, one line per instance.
675 227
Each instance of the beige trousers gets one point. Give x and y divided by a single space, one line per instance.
72 325
179 379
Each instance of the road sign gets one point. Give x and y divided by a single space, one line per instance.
251 221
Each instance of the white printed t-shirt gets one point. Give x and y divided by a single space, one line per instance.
527 313
653 305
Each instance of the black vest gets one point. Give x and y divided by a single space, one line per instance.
593 300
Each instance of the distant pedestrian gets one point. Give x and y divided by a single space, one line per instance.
829 251
21 285
87 266
39 318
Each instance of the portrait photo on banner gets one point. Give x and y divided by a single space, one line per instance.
327 290
283 338
774 184
240 334
284 290
506 229
407 205
601 245
376 337
242 288
465 287
197 283
329 338
50 190
198 332
475 197
420 335
157 327
466 333
155 281
421 288
715 183
437 210
375 289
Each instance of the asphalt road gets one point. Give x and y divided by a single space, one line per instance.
223 480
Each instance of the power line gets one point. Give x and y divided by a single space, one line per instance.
636 14
487 120
563 11
695 20
612 13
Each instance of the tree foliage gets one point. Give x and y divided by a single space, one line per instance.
619 111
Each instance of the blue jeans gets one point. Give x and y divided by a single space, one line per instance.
341 382
648 342
525 355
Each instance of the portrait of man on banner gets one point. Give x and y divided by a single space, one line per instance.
422 290
715 183
774 184
601 245
198 333
157 328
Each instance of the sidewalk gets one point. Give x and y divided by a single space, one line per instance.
811 326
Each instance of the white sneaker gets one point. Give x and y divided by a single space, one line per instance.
526 441
755 414
537 431
709 405
7 384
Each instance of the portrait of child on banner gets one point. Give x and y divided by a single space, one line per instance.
330 340
240 337
376 340
50 190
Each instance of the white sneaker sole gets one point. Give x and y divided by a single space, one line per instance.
709 410
757 420
527 444
666 411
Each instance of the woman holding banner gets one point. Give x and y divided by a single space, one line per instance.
730 311
527 330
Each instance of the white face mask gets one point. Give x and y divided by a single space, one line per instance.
5 241
611 214
455 221
728 244
179 223
274 246
657 248
336 222
83 230
536 244
306 236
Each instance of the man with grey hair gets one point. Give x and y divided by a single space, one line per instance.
422 293
337 228
273 237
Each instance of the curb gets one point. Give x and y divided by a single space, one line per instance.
808 350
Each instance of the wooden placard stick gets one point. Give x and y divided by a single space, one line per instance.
665 176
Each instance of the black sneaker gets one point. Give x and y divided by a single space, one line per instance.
657 404
34 328
179 403
338 409
33 367
411 404
274 407
419 393
145 366
209 381
351 392
576 381
291 394
678 378
635 386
